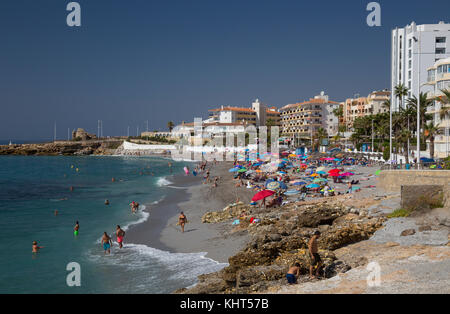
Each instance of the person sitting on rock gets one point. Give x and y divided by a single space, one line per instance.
293 274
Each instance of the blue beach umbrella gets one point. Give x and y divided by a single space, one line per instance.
313 186
299 183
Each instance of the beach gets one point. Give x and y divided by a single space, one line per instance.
190 195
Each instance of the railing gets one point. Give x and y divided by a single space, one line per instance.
420 166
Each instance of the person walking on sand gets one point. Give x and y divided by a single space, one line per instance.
106 242
36 248
314 257
293 274
76 229
182 219
120 235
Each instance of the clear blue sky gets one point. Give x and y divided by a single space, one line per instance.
139 60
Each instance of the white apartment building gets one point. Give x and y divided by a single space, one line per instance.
438 79
415 48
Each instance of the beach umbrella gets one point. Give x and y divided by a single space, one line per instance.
242 170
314 175
377 173
319 180
347 174
299 183
291 192
273 185
313 186
234 170
334 170
321 172
334 174
262 195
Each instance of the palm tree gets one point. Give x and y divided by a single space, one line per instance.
320 136
445 101
170 126
400 92
430 134
339 113
386 105
425 103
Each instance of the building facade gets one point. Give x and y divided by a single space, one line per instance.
438 79
415 48
301 121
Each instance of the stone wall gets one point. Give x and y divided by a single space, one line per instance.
393 180
421 196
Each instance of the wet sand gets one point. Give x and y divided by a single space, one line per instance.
188 194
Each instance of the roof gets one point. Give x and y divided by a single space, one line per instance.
236 109
311 101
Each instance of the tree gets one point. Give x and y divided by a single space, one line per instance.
445 101
400 92
170 126
425 103
320 135
430 133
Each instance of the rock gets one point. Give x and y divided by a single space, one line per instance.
335 268
425 228
408 232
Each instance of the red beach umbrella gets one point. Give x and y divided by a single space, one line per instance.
262 195
334 171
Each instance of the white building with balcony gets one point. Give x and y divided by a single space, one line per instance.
438 79
415 48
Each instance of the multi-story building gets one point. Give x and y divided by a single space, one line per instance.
257 115
438 80
373 104
301 121
414 49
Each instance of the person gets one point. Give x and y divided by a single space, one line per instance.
106 202
133 206
350 188
76 229
293 274
106 242
120 235
170 166
315 260
56 212
36 248
182 219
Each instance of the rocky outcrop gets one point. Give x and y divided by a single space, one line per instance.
280 239
58 148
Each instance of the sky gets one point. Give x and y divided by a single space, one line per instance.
172 60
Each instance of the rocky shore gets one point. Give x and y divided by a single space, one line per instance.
280 240
69 148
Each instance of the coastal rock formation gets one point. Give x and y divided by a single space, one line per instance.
59 148
280 239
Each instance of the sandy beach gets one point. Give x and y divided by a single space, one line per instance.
190 195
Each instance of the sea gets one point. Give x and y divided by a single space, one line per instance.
33 187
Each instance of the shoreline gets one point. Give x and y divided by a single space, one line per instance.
190 195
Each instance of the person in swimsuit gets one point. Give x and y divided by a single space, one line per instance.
106 242
120 234
314 257
182 221
293 274
36 248
76 229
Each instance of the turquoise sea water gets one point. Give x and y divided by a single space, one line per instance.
31 188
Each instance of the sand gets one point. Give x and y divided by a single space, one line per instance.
188 194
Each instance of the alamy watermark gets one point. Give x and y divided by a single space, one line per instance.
73 279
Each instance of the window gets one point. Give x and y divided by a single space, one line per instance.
441 40
410 43
409 64
440 50
409 53
409 75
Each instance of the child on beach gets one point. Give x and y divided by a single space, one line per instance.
293 274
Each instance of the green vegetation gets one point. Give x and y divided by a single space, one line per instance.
399 213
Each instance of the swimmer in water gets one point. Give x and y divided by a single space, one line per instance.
76 229
120 234
106 202
56 212
107 243
36 248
